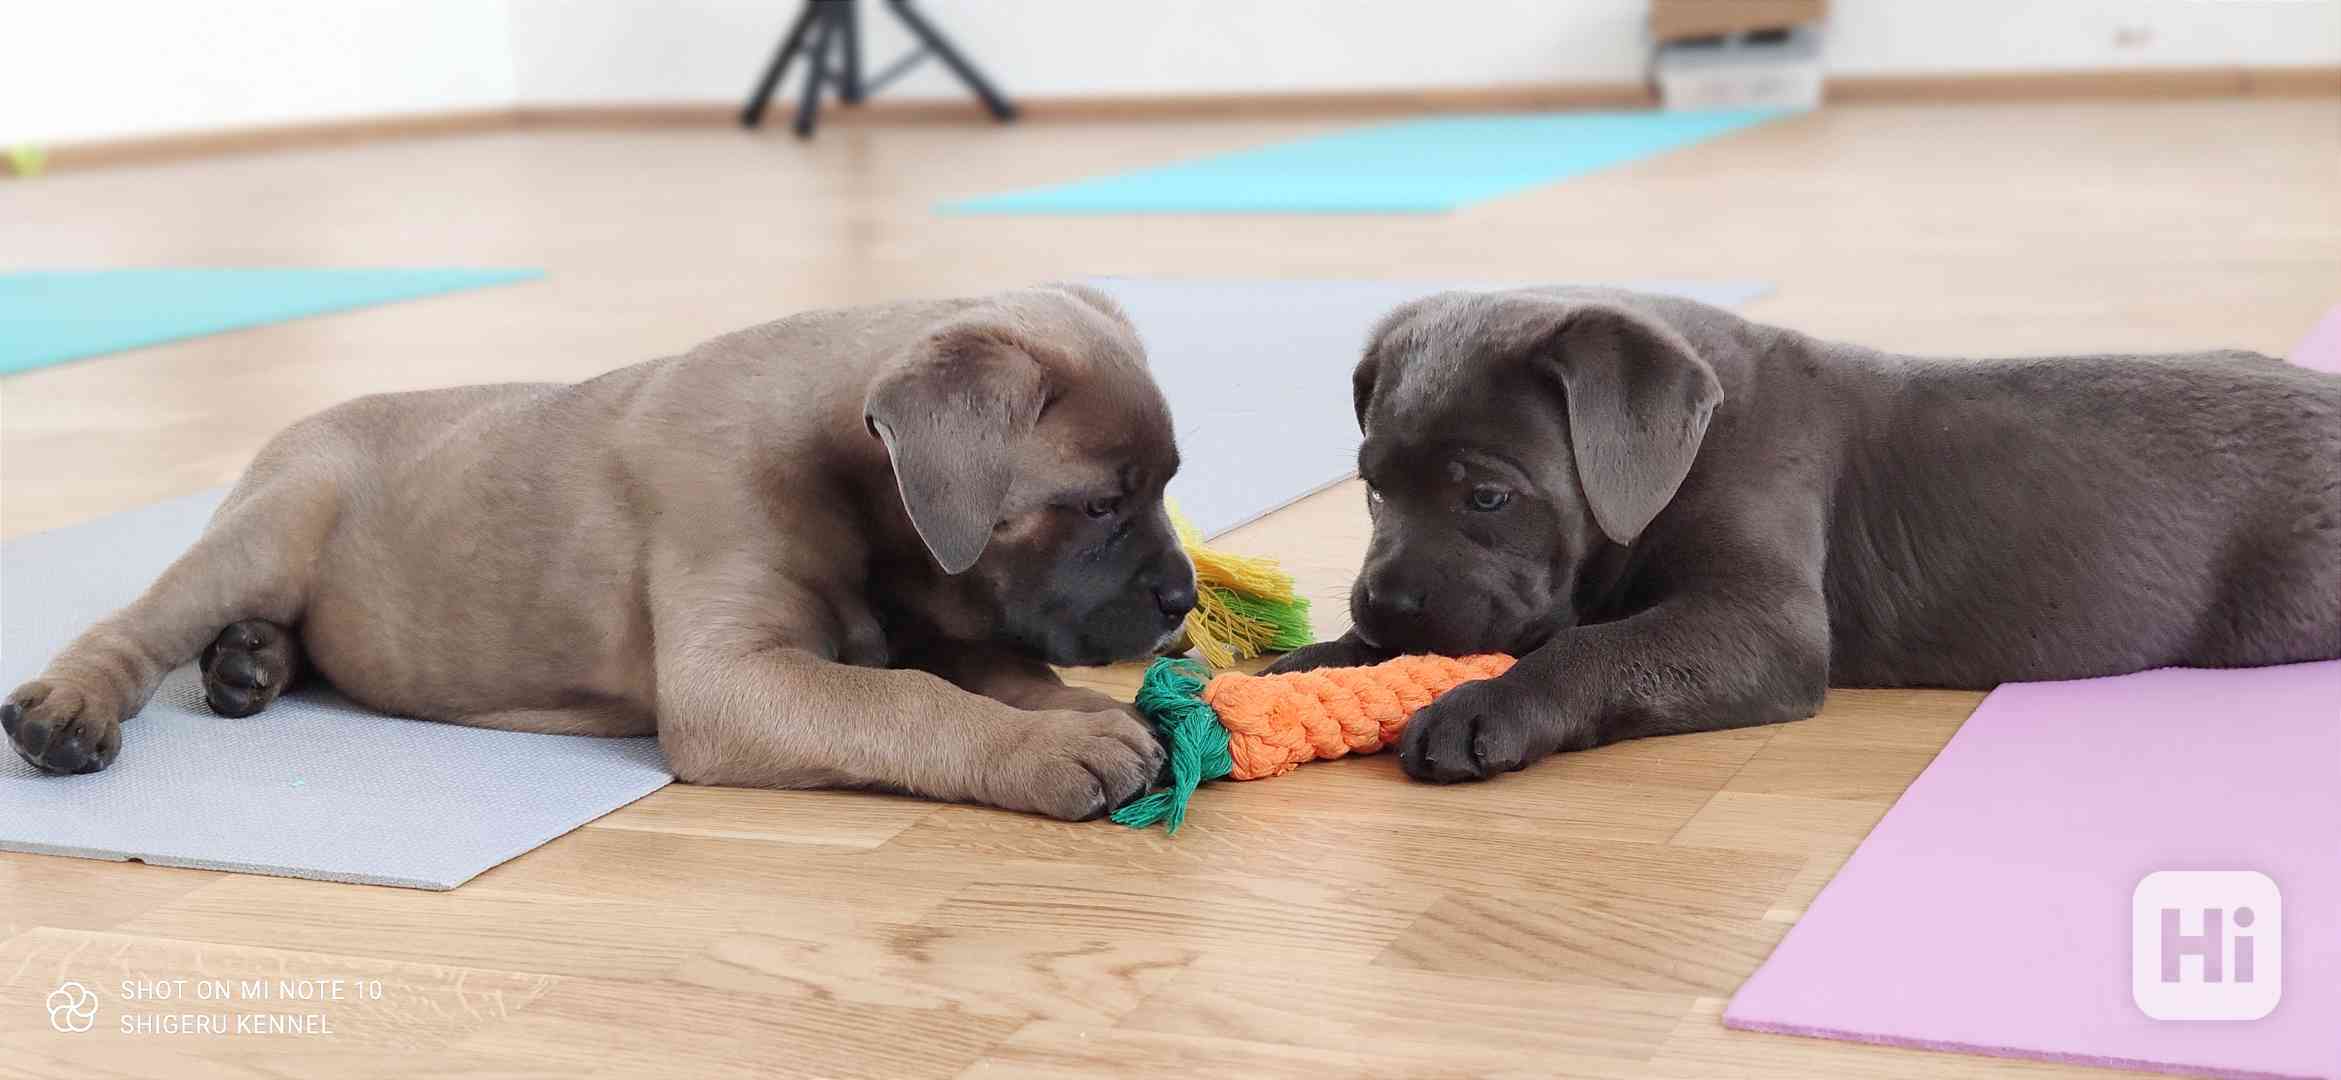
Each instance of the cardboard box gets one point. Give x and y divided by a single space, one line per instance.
1674 20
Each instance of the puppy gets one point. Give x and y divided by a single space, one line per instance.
837 550
1682 521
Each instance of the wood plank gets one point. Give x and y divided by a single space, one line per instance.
1742 821
1055 1050
1248 914
1525 936
616 939
745 878
1463 1021
1865 745
1418 855
600 1026
85 894
852 819
1093 980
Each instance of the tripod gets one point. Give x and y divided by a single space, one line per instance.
834 26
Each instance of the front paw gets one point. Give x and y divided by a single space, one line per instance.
1477 730
1344 652
1075 766
57 727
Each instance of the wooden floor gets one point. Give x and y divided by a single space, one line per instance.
1588 917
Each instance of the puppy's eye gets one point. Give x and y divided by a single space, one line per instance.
1373 495
1488 500
1103 507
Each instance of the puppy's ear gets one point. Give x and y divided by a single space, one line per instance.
1638 400
1379 343
1361 383
954 410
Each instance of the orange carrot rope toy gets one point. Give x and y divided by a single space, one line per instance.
1256 726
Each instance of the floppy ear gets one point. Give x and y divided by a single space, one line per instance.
953 410
1369 365
1639 400
1361 383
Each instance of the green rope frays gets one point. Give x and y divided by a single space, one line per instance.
1289 619
1171 698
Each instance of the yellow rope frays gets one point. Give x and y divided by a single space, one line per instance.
1244 604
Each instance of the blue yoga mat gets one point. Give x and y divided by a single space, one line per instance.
1414 167
49 317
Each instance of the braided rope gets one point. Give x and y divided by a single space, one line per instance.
1277 722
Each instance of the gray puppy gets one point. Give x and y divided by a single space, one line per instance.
1684 521
840 549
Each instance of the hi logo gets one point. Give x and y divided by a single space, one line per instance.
2206 945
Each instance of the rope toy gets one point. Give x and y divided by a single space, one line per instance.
1250 727
1244 605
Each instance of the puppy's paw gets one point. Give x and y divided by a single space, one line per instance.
246 667
1341 653
60 728
1075 766
1475 731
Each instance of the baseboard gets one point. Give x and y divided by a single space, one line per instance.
150 149
2138 85
1947 88
1514 97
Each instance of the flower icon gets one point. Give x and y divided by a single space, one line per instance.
72 1007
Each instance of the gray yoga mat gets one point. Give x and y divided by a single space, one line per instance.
313 787
1257 375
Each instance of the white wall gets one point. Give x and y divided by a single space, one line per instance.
95 69
710 50
1881 37
88 69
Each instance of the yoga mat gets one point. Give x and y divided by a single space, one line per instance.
2321 349
1412 167
313 787
49 317
1991 910
1257 376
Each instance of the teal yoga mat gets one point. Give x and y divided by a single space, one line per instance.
1414 167
48 317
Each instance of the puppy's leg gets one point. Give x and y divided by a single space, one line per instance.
1348 650
1742 639
1012 679
247 666
748 696
251 563
1697 664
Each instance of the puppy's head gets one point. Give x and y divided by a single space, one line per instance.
1508 437
1030 448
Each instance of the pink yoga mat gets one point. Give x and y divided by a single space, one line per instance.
2322 348
2003 907
1991 910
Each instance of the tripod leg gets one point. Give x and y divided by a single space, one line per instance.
935 42
752 114
816 72
849 27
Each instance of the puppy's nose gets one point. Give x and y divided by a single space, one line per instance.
1399 602
1175 599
